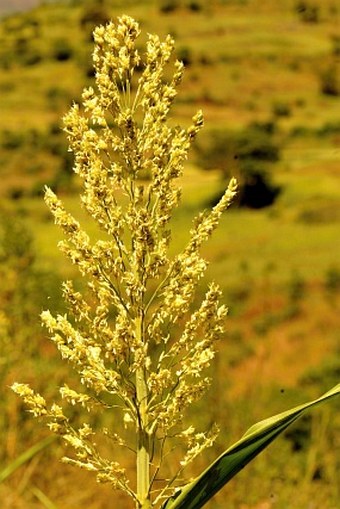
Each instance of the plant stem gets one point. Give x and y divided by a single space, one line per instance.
143 442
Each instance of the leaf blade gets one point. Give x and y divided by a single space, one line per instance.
25 457
226 466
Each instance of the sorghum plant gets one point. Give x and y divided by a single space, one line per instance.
140 350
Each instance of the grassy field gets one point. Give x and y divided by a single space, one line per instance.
279 266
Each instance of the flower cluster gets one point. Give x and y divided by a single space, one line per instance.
130 336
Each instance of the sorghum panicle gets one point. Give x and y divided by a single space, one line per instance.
130 336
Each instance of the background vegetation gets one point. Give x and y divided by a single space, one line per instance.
267 76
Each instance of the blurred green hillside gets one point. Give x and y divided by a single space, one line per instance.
266 73
246 61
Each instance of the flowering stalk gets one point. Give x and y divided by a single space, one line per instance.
130 336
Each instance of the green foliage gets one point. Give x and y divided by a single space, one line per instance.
247 154
16 245
329 128
332 279
324 212
44 89
336 45
25 51
281 109
296 288
308 12
11 140
184 54
94 14
330 80
325 374
24 287
24 290
61 50
36 145
195 5
299 437
167 6
57 97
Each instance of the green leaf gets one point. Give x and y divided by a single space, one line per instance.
224 468
25 456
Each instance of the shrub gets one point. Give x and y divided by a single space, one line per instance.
257 190
330 80
61 50
332 279
37 189
307 12
195 5
56 97
336 45
167 6
56 145
54 129
21 45
16 193
281 109
56 93
32 57
6 61
300 436
257 143
329 128
11 140
247 154
184 54
205 59
16 242
94 14
35 138
25 52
